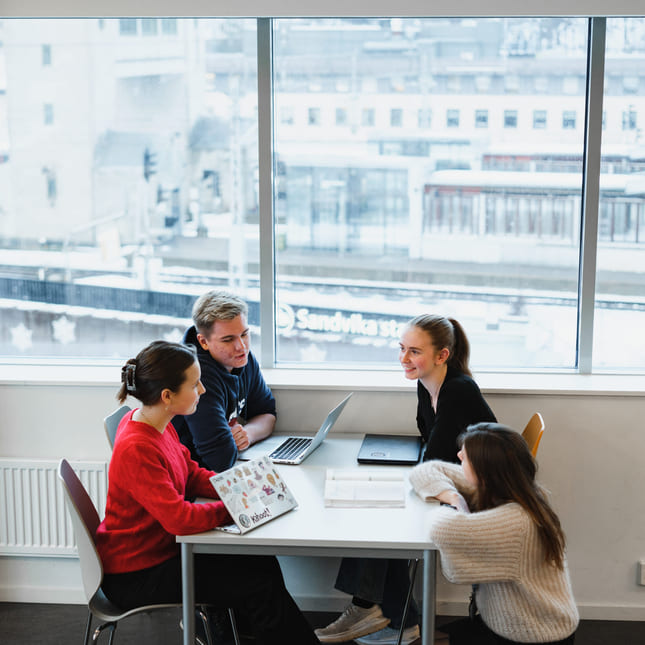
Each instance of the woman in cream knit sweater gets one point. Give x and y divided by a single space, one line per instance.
501 535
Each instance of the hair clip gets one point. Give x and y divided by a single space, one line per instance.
128 374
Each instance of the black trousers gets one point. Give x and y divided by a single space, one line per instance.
473 631
252 585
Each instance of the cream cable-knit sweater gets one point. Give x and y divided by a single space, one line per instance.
520 596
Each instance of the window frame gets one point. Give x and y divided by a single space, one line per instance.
453 117
48 114
539 119
46 55
510 119
481 119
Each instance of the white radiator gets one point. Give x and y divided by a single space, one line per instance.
33 516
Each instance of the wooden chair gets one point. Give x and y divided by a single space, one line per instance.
111 423
85 521
533 432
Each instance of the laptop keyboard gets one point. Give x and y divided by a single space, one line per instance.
291 448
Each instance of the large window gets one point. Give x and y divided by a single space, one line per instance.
416 165
475 216
137 192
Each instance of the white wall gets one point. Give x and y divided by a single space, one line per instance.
590 460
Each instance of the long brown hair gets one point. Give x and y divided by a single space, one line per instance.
505 472
448 333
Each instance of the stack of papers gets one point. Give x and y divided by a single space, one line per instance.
364 488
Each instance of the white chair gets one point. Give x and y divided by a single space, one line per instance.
111 423
85 521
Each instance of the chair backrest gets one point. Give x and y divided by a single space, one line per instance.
85 521
533 432
111 422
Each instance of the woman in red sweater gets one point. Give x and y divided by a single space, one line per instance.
151 477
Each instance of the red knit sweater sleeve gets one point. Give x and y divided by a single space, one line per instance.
156 474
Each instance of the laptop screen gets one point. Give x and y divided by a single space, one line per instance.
254 493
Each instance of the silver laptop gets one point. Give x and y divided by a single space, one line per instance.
253 493
294 450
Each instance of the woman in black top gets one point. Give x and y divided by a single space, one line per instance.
434 351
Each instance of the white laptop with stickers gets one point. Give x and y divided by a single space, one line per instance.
254 493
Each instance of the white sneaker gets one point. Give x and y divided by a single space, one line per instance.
390 636
355 621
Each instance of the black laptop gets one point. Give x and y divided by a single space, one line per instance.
395 449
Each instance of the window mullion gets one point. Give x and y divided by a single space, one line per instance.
265 172
591 193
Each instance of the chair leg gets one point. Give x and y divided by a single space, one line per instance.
112 632
99 630
236 636
206 623
413 572
88 628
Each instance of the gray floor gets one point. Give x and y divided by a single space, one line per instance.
38 624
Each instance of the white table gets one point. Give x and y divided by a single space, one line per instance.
313 530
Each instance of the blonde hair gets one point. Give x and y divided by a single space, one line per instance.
216 305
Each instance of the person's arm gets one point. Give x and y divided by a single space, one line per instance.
142 470
482 547
260 408
443 481
256 429
454 499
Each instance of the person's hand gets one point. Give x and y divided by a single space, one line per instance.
240 436
455 499
461 503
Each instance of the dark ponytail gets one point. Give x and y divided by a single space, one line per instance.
159 366
460 353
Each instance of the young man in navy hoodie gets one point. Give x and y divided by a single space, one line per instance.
237 408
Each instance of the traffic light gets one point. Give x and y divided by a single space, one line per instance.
149 164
